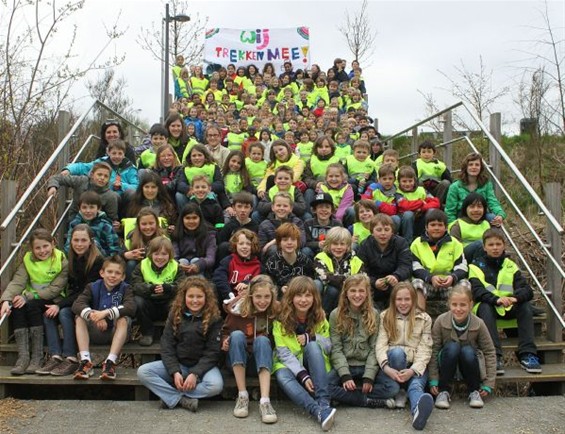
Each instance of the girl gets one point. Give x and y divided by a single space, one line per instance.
136 239
255 164
247 335
461 342
471 225
36 285
266 140
198 81
404 348
85 262
302 346
177 133
387 258
236 270
281 154
190 349
340 190
194 242
191 139
333 265
353 331
473 179
199 162
236 177
154 285
364 210
167 165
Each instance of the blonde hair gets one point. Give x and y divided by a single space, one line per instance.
298 286
259 282
345 324
389 319
335 235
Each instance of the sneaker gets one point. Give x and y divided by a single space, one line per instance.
381 403
442 400
190 404
241 407
108 370
146 340
422 412
268 414
400 399
51 364
499 366
327 417
66 367
475 400
530 362
84 371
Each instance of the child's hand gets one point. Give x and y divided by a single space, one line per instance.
230 211
391 280
116 225
446 282
284 288
98 315
301 339
436 282
505 301
179 381
52 191
483 393
261 194
406 374
226 345
392 373
158 289
171 229
497 221
319 187
52 311
65 172
241 289
309 385
6 308
434 390
189 383
18 301
367 388
381 284
349 385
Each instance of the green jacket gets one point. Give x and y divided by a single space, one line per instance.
459 191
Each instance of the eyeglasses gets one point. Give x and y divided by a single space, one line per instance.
213 135
110 122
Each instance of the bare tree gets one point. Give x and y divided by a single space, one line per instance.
185 39
359 34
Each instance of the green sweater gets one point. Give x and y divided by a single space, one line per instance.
459 191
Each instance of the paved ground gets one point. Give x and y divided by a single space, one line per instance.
506 415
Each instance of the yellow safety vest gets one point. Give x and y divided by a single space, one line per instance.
359 169
167 274
42 273
148 158
336 195
320 167
305 150
189 145
355 263
235 141
419 193
199 85
504 282
361 231
443 263
129 224
256 170
275 189
342 152
430 171
470 231
233 183
208 170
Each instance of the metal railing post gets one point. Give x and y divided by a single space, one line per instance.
414 147
493 154
447 136
8 190
554 278
63 124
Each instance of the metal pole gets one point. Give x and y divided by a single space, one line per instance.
414 147
493 155
163 27
554 278
447 136
166 72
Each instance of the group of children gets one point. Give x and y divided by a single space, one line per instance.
312 261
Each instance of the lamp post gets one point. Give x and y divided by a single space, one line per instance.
181 18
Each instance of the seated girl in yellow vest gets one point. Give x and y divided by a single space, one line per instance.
359 166
365 210
333 264
31 294
154 283
304 147
283 182
471 225
281 155
340 190
255 163
236 177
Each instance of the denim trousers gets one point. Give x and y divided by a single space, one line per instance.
155 377
384 387
67 319
415 387
453 355
314 363
329 295
262 351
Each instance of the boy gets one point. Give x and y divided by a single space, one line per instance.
104 311
159 136
124 173
438 261
281 212
432 173
89 213
242 204
97 181
501 291
359 167
383 193
207 201
283 182
288 261
316 228
304 146
236 137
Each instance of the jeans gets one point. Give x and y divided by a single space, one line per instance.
148 311
67 319
473 250
524 316
407 226
330 296
384 387
181 200
314 363
262 351
130 266
417 384
453 355
155 377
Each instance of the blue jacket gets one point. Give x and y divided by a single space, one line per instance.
104 235
126 170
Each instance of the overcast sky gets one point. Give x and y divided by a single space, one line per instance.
415 40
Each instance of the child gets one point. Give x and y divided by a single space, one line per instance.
90 214
387 259
353 331
281 212
471 225
287 261
207 201
438 261
461 343
365 210
236 177
501 291
323 154
432 173
342 147
383 193
342 194
234 272
242 204
154 283
246 336
412 202
85 262
124 173
97 181
317 228
235 137
302 341
103 316
159 136
190 349
283 183
281 154
359 166
194 242
167 165
255 164
404 348
304 147
34 291
333 264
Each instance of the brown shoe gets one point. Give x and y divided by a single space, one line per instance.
66 367
51 364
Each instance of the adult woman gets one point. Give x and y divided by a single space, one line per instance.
177 133
112 130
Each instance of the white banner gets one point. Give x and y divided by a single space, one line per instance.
258 46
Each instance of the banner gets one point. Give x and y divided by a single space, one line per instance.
258 46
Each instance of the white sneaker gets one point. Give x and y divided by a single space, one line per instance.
400 399
442 400
268 414
241 407
475 400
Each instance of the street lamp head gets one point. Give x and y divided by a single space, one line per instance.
181 18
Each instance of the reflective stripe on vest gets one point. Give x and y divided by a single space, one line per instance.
441 264
235 141
167 275
430 171
42 273
207 170
504 282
